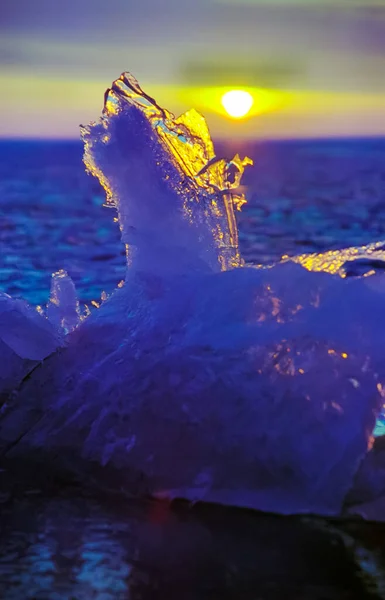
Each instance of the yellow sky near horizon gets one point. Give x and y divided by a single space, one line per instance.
275 113
314 69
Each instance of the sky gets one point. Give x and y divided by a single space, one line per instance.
314 67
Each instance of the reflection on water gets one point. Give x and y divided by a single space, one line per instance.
64 544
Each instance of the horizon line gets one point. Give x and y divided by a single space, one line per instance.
219 138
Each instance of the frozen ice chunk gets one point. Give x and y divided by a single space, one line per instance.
25 331
175 199
26 337
348 262
63 306
252 387
243 375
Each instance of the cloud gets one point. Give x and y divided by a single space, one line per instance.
62 46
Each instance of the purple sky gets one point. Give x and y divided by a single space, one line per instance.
56 58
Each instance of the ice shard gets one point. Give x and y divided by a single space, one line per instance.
26 338
175 198
63 307
347 262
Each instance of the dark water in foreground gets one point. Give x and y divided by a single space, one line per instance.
63 543
60 542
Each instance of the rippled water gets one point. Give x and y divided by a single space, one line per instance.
61 542
303 197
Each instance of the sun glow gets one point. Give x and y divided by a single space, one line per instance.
237 103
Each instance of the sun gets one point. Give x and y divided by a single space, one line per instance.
237 103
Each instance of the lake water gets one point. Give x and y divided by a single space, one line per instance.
304 196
